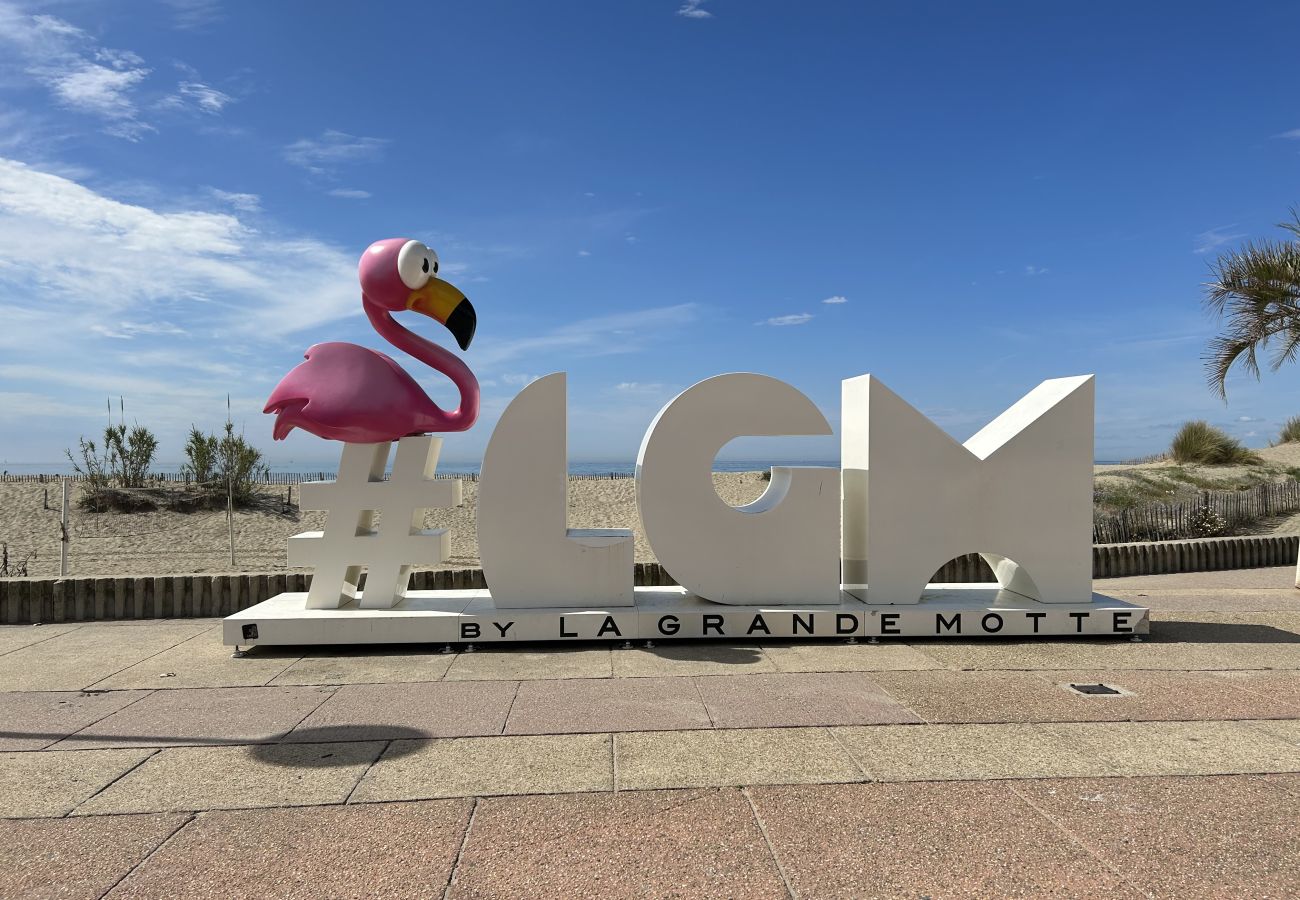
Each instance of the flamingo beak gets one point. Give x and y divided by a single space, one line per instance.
443 301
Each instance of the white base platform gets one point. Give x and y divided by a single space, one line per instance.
666 613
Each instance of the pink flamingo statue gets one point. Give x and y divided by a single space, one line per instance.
353 394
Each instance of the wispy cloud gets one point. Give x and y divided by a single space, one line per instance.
81 75
250 203
796 319
1031 271
515 379
1293 134
625 332
189 15
836 300
1216 237
349 193
691 9
325 154
640 387
198 96
584 253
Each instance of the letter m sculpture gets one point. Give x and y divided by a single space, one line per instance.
1019 493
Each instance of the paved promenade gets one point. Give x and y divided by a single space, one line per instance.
140 760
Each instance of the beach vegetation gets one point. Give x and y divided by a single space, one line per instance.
1200 442
1255 291
1290 433
129 454
222 465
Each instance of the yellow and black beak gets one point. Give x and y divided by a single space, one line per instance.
443 301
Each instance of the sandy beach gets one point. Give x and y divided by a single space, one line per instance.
165 542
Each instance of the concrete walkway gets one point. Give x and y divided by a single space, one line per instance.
140 760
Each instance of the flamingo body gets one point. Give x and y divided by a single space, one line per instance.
344 392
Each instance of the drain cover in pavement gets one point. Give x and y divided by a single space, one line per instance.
1093 689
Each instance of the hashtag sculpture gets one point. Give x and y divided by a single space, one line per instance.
351 542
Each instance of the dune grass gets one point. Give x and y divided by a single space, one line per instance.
1290 432
1200 442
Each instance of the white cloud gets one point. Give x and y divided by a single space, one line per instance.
131 263
515 380
600 336
632 239
128 330
1031 271
323 155
584 253
188 15
691 10
796 319
1293 134
1216 237
349 193
243 202
93 80
197 95
836 300
640 387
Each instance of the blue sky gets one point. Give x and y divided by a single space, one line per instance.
963 199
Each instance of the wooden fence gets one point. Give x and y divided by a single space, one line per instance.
273 477
49 600
1174 521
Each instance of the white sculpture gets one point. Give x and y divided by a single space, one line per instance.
779 550
350 541
1019 493
529 557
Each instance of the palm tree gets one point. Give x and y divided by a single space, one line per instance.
1256 290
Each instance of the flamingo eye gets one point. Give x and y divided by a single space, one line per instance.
414 262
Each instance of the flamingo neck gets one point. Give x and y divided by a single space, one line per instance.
437 358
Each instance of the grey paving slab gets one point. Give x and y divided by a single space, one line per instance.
678 759
924 840
1269 577
966 752
766 701
656 844
486 766
1226 626
396 850
522 664
603 705
51 784
1182 696
15 637
83 656
203 716
1233 837
986 697
690 658
199 778
1109 654
201 661
1181 748
35 719
391 711
368 665
1282 686
1209 600
1287 730
76 859
835 656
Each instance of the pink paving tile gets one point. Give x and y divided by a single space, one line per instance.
1226 836
392 850
360 712
766 701
196 716
36 719
76 858
638 844
957 839
607 704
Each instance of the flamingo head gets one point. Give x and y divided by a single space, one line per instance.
398 274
